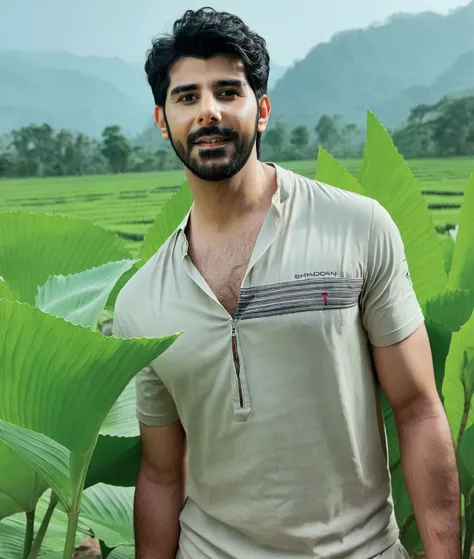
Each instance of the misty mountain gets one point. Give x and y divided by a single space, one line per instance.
276 72
388 68
367 67
128 77
456 81
64 97
81 93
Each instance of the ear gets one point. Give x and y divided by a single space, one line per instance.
264 108
161 122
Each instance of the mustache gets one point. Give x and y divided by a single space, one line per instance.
212 131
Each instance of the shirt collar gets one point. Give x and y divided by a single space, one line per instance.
285 185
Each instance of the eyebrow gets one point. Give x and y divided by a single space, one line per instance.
193 86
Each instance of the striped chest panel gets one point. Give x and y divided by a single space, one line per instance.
314 294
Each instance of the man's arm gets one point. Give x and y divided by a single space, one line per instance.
406 375
160 491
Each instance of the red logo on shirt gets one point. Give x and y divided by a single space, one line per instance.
325 298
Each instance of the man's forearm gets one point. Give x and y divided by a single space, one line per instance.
431 475
156 516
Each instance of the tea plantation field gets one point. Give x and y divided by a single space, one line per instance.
127 204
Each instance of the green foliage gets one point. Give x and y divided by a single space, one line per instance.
448 307
458 386
12 531
86 447
81 297
447 248
167 220
116 149
466 471
443 129
51 245
39 151
462 267
282 143
300 137
327 131
106 510
43 356
386 177
330 170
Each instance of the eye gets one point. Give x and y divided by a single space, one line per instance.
184 97
231 92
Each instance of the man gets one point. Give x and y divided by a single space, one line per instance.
295 305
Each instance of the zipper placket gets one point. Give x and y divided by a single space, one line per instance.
235 355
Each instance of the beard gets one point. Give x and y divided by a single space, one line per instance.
207 164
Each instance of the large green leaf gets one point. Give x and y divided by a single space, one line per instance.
452 308
12 532
440 338
62 380
46 456
116 458
108 511
466 472
169 218
115 461
330 171
5 291
466 462
121 421
80 298
36 246
458 386
122 552
447 248
462 267
386 177
19 492
411 538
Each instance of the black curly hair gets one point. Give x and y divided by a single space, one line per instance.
203 34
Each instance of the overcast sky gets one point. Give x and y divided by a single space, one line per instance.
124 28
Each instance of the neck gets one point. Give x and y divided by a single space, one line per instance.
224 205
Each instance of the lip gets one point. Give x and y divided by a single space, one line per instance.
208 139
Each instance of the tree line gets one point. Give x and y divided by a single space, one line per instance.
37 150
443 129
40 151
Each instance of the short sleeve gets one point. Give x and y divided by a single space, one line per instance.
390 308
155 406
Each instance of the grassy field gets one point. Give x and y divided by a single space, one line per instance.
127 204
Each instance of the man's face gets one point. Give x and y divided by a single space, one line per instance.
211 116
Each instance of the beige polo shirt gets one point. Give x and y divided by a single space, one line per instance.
285 455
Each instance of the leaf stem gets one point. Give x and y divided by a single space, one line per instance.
73 519
465 416
469 535
53 501
467 404
408 522
395 465
29 533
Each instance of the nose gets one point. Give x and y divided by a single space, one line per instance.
209 110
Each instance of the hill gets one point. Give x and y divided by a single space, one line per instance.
389 68
64 98
83 93
456 81
366 67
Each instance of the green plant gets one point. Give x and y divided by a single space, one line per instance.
69 441
443 279
65 388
